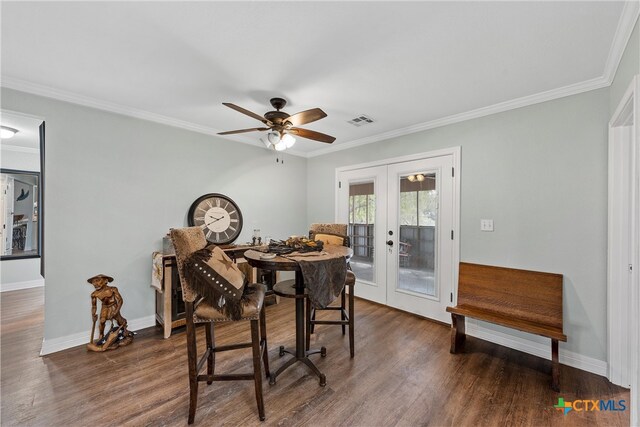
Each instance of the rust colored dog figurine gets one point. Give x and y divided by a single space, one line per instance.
111 303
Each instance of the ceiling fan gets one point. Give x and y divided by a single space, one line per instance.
282 126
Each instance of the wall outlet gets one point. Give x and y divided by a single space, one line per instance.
486 225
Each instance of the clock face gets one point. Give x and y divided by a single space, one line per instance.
218 216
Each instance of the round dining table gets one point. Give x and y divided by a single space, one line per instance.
283 263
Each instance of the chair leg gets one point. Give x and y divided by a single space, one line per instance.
193 364
308 324
211 344
555 366
351 322
342 304
457 333
263 341
313 317
257 366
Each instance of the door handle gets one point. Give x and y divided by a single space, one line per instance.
390 242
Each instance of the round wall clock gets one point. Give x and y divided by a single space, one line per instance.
218 216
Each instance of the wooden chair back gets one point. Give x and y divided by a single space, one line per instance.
528 295
327 229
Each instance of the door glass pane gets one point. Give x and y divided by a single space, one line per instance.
362 214
416 243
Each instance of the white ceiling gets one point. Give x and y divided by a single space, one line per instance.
28 136
407 65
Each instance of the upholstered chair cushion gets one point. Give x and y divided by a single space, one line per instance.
251 306
331 234
185 242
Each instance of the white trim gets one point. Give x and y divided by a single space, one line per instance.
15 286
627 22
622 237
549 95
19 149
20 114
82 338
455 151
567 357
61 95
75 98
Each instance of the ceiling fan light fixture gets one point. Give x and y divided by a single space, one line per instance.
420 177
288 140
411 178
273 137
280 146
6 132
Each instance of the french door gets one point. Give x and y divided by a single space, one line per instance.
401 220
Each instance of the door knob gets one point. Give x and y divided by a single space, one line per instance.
390 242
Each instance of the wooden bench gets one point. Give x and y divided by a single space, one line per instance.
528 301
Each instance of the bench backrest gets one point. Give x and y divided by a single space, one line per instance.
526 295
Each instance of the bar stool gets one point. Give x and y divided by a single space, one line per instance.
334 234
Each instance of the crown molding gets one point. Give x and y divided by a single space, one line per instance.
18 149
537 98
74 98
627 22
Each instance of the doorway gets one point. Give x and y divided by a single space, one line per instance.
22 201
403 218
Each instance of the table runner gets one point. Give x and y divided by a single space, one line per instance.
324 275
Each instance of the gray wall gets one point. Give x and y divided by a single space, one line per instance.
19 270
115 185
541 173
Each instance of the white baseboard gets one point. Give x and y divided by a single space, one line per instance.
15 286
569 358
82 338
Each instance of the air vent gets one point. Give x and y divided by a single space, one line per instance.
361 120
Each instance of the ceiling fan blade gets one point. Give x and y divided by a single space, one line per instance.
231 132
311 134
308 116
247 112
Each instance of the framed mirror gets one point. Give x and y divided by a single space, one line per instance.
20 200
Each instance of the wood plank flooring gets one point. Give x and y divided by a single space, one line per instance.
402 375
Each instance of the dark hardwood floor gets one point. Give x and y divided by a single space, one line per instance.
402 375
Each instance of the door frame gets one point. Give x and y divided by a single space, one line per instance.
623 297
451 151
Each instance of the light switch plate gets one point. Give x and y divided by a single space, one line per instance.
486 225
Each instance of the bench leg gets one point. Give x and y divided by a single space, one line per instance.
457 333
555 366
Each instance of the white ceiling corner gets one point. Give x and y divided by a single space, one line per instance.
435 63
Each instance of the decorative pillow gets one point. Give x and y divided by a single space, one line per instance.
330 239
214 276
